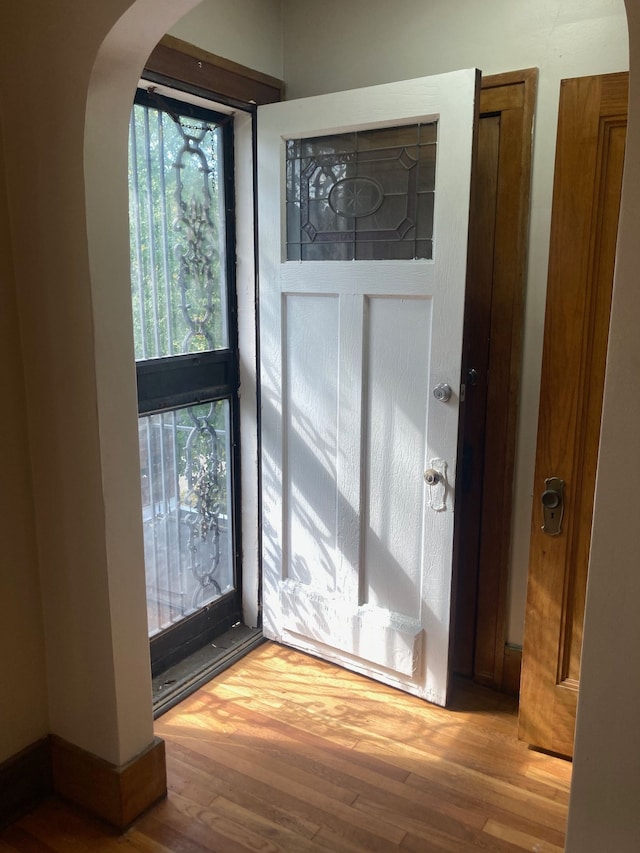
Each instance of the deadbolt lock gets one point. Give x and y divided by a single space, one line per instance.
553 506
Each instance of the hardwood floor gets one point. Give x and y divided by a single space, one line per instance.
286 753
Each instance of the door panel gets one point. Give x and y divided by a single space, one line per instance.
394 443
357 546
588 181
311 355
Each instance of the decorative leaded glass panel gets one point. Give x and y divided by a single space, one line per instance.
186 510
365 195
177 226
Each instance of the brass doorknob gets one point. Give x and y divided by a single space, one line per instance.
550 499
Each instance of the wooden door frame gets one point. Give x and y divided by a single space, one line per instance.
493 347
174 61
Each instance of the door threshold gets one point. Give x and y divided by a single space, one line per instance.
180 680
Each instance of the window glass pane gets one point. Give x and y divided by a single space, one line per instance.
186 510
348 192
176 216
425 216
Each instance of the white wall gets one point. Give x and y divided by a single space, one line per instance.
338 45
248 32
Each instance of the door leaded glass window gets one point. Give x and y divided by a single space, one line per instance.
366 195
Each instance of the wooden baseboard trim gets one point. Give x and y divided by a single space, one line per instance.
511 670
25 780
115 794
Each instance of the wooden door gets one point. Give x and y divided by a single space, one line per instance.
356 334
588 180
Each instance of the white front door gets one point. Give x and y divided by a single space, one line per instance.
363 213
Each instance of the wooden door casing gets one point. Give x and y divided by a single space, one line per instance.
498 240
588 181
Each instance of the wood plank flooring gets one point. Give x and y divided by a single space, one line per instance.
286 753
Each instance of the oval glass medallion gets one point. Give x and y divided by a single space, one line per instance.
356 197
